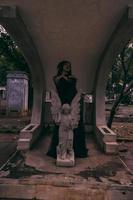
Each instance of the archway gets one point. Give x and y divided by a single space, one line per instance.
13 23
120 37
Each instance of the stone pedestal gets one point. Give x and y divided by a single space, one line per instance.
68 162
107 139
17 92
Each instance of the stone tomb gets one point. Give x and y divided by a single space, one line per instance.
17 92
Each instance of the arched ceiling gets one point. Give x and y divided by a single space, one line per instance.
76 30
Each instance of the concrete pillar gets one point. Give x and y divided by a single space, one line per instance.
120 37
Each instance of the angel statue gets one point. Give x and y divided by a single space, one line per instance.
67 116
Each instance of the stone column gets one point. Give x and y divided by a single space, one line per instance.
17 92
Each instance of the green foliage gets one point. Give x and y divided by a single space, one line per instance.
121 74
120 82
11 57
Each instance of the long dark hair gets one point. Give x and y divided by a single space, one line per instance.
60 67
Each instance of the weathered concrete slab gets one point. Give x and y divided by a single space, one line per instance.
98 177
68 189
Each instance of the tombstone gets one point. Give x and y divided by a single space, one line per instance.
17 92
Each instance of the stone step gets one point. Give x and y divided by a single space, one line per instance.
111 147
106 134
23 144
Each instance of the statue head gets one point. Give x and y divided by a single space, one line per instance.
66 109
64 67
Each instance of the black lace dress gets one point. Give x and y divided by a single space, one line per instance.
66 90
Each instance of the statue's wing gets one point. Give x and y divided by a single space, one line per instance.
55 106
75 109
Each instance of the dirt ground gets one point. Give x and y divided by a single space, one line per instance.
124 130
9 133
13 124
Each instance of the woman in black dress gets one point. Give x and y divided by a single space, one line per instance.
66 88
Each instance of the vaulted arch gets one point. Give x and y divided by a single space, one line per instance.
122 34
13 23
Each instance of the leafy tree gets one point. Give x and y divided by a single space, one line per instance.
11 57
120 80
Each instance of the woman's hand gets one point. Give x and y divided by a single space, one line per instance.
59 77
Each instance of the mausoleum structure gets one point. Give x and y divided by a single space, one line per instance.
89 34
17 92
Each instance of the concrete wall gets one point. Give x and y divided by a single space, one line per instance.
76 30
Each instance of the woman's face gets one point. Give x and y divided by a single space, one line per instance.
67 69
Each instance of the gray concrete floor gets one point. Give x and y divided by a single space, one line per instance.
37 158
35 175
97 166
